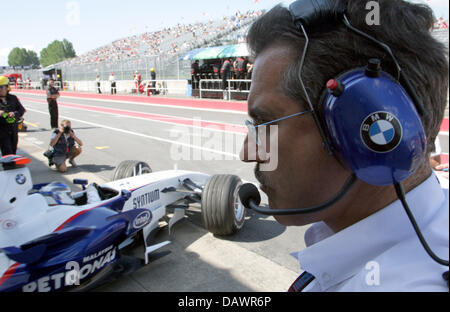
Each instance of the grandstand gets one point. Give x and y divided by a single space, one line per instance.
160 49
171 41
163 50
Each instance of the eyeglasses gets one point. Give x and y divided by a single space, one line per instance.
253 131
1 87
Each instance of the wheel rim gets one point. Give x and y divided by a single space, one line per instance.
140 170
239 209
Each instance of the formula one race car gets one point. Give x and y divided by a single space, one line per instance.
53 239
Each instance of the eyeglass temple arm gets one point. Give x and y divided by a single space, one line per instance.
326 143
283 118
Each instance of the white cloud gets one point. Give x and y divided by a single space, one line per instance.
4 52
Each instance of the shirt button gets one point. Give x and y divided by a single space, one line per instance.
326 277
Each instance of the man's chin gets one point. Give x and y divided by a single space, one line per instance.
290 220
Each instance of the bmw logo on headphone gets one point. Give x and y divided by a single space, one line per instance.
21 179
381 132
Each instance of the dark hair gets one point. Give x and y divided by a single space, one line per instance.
404 26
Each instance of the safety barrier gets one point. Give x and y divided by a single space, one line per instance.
22 85
216 85
58 85
164 87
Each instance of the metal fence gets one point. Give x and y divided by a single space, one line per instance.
165 68
216 85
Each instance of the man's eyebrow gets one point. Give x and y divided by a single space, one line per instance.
258 113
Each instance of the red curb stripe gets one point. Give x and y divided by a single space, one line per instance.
192 103
169 119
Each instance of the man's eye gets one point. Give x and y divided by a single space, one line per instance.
257 121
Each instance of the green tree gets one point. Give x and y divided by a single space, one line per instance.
34 59
23 57
56 52
68 49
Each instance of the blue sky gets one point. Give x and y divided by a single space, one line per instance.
89 24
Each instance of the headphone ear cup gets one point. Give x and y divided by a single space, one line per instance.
373 127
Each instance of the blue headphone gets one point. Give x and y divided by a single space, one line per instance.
369 121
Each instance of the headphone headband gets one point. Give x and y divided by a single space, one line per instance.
312 13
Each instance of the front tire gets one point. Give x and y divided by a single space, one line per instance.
222 210
130 168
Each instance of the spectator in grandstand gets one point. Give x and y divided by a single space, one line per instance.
153 76
66 146
99 84
165 42
10 111
52 97
112 81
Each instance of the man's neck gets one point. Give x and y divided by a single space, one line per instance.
364 200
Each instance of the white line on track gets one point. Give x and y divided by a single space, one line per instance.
142 135
149 104
148 119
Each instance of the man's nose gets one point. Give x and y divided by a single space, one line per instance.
250 152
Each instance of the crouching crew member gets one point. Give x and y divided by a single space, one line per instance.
10 111
64 143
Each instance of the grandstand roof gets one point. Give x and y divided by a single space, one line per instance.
234 50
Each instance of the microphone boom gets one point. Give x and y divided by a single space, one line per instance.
251 199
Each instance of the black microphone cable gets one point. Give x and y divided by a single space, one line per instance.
401 195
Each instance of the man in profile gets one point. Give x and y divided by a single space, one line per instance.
368 228
52 97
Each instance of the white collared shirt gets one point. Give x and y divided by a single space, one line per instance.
383 252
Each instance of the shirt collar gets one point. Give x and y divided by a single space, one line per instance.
333 258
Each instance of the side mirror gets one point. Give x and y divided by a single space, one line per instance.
81 182
125 195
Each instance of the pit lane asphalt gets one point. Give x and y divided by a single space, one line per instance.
256 259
